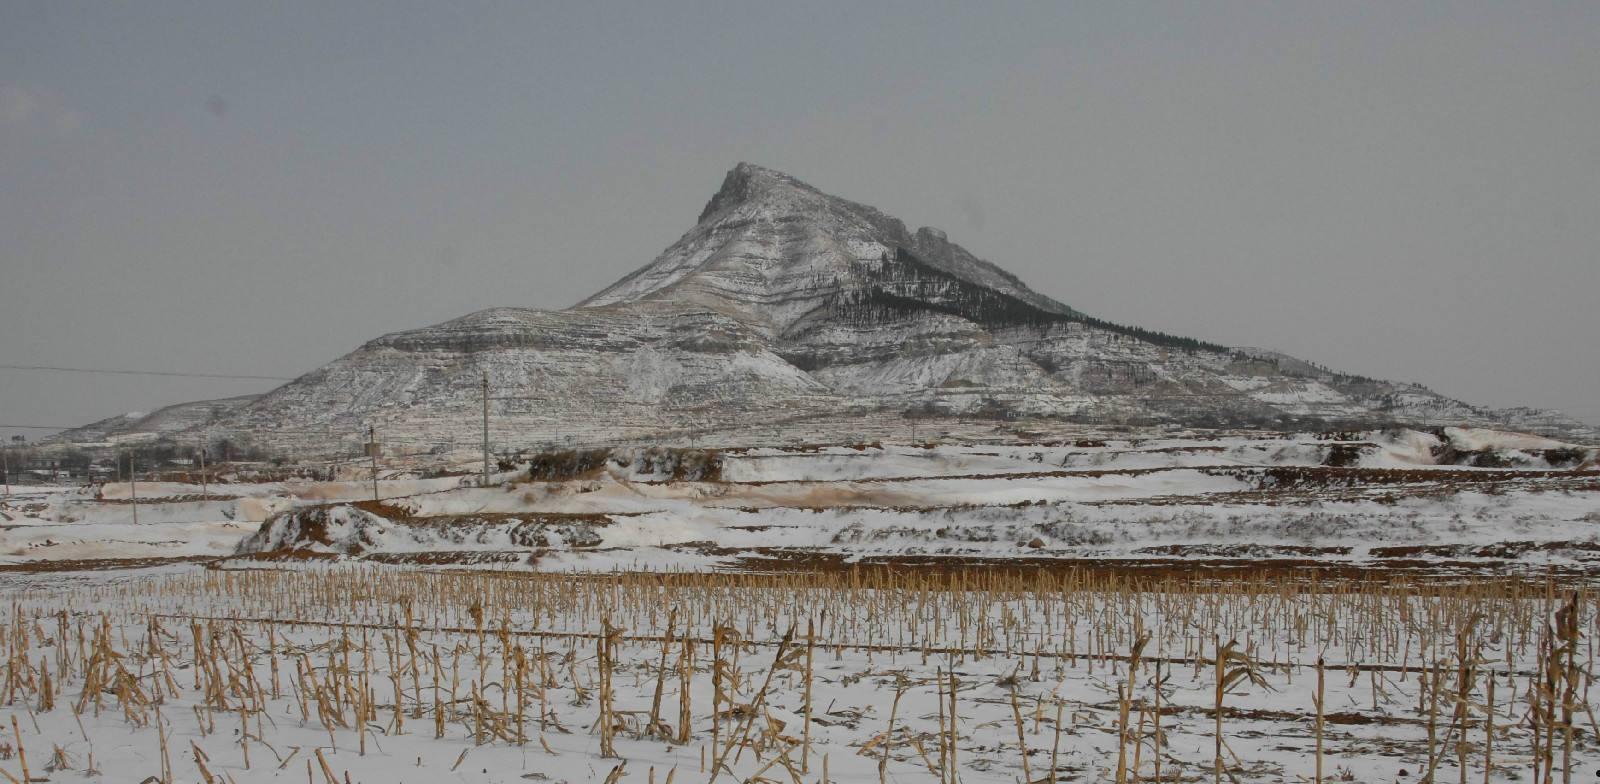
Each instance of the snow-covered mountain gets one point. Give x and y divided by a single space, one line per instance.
137 425
785 303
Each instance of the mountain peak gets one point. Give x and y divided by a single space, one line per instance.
747 182
773 247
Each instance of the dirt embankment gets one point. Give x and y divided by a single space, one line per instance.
664 463
368 528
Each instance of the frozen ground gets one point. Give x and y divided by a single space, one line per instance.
388 674
1454 499
299 630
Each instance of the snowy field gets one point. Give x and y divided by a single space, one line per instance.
1455 499
376 674
972 612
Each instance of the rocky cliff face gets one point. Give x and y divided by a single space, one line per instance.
783 302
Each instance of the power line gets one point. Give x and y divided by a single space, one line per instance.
172 374
38 427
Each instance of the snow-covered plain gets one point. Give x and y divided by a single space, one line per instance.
1374 498
390 674
1048 561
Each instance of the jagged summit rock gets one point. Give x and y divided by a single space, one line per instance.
770 248
747 182
784 303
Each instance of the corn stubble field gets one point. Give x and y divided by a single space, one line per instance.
330 674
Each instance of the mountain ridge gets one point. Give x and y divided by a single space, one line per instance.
783 300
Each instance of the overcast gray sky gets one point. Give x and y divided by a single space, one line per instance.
1405 190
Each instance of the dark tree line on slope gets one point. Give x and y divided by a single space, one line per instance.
904 285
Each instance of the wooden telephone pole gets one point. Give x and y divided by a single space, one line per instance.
485 429
372 452
203 488
133 483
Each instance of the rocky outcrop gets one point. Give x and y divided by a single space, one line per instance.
358 529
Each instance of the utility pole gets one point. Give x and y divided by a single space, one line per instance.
5 467
133 483
486 429
372 452
203 488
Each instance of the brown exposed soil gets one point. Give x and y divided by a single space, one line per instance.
567 464
678 465
381 509
1181 564
1241 551
1502 550
1289 477
187 498
100 564
1290 485
450 557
